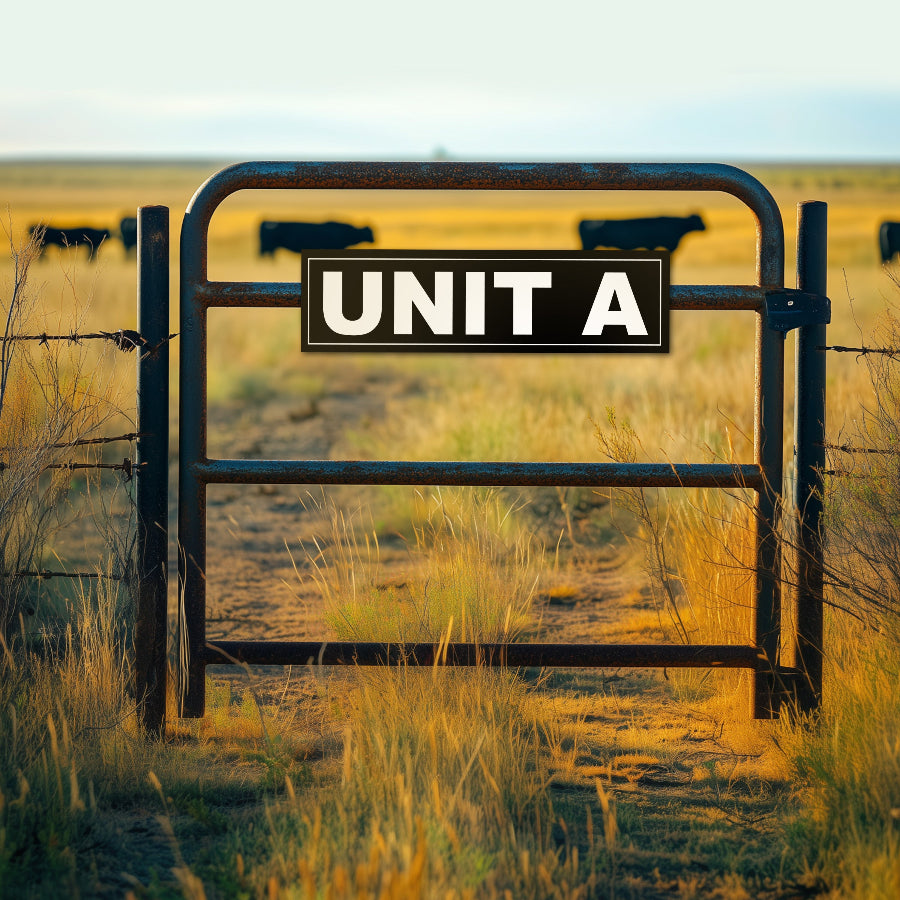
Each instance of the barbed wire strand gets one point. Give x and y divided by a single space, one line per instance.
863 351
133 436
127 466
124 339
849 448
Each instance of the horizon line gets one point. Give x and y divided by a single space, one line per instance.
207 160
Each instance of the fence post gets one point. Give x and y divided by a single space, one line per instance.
809 431
153 471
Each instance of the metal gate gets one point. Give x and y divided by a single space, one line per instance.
776 311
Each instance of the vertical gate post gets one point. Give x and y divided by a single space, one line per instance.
809 431
192 447
768 452
153 471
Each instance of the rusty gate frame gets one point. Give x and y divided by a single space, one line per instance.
777 310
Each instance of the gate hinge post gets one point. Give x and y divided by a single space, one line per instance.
788 308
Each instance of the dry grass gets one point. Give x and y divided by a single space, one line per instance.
443 792
848 766
52 395
456 784
472 576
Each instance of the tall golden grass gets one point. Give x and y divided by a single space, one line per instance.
436 782
444 791
53 395
845 758
473 575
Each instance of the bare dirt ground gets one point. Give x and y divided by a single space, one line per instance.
257 587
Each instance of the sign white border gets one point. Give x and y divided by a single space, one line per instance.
474 346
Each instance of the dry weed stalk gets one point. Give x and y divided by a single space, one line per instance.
862 504
50 395
621 443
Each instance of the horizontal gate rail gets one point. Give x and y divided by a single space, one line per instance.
287 294
764 475
374 653
478 474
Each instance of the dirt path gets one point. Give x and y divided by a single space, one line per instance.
257 585
696 806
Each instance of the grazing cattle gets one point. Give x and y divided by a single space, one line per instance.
637 234
91 238
302 236
128 233
889 240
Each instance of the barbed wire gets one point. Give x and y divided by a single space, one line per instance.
863 351
127 466
891 353
849 448
133 436
124 339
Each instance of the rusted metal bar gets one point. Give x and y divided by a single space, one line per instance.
767 443
809 432
474 474
153 458
768 430
483 176
191 489
491 177
371 653
289 295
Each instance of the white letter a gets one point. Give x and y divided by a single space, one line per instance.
615 284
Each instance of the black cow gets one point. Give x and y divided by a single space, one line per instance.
889 240
637 234
128 233
91 238
301 236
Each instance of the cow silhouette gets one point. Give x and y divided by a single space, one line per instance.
652 233
128 233
889 240
301 236
82 236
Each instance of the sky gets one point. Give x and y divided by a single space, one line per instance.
466 79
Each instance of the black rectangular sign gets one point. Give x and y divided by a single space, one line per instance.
490 301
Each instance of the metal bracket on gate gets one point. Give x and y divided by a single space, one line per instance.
788 308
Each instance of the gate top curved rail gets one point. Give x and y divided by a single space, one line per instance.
483 176
196 470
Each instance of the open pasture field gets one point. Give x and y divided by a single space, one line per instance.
508 407
261 355
456 784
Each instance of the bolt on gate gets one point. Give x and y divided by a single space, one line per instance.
777 310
